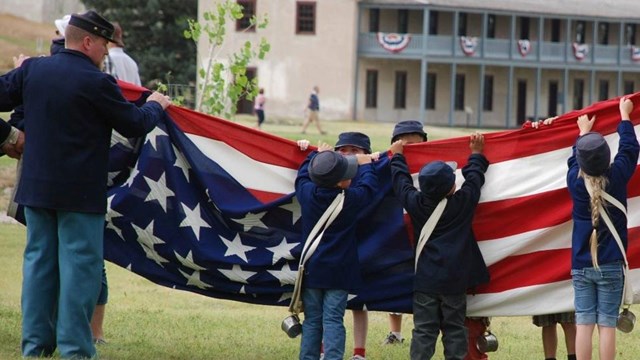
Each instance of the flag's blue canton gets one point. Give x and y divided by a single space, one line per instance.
179 219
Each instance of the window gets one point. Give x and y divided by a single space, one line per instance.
403 21
524 27
248 11
578 91
305 17
629 87
580 30
555 30
433 22
371 96
462 24
630 34
459 95
374 20
603 90
400 95
487 98
603 33
552 109
430 101
491 26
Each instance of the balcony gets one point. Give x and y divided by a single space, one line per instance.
449 48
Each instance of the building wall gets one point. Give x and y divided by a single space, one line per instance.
330 60
296 63
42 11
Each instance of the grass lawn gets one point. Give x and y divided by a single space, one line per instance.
147 321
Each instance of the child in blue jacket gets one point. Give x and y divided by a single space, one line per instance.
596 261
451 262
333 269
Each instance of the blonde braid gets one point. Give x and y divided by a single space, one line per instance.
597 185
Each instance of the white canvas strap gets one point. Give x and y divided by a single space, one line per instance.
627 293
310 246
428 227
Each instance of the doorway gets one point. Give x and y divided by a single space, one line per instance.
521 107
552 109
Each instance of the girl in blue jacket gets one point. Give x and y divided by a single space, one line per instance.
596 262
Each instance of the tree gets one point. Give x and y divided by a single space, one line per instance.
153 35
224 82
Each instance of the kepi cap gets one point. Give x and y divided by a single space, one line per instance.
437 178
92 22
356 139
593 154
408 127
328 168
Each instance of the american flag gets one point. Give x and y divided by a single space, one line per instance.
206 205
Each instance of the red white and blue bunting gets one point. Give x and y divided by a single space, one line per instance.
635 53
580 51
468 44
393 42
524 47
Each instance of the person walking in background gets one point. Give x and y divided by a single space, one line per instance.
258 107
548 324
313 109
71 109
597 261
448 260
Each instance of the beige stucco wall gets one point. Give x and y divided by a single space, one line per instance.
296 63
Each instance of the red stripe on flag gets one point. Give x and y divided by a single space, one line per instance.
265 196
258 145
498 219
543 267
508 145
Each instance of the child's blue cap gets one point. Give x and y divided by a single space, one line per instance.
356 139
437 178
593 154
328 168
408 127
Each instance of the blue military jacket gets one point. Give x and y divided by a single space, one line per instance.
334 264
70 108
618 175
451 261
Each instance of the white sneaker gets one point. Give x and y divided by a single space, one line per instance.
358 357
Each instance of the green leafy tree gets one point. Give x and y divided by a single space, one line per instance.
224 82
153 36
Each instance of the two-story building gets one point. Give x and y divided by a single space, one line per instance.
492 63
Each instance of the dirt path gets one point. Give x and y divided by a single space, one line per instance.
20 36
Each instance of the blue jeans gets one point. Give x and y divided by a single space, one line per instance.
61 282
598 294
433 313
323 319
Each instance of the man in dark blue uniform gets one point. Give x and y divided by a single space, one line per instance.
71 108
